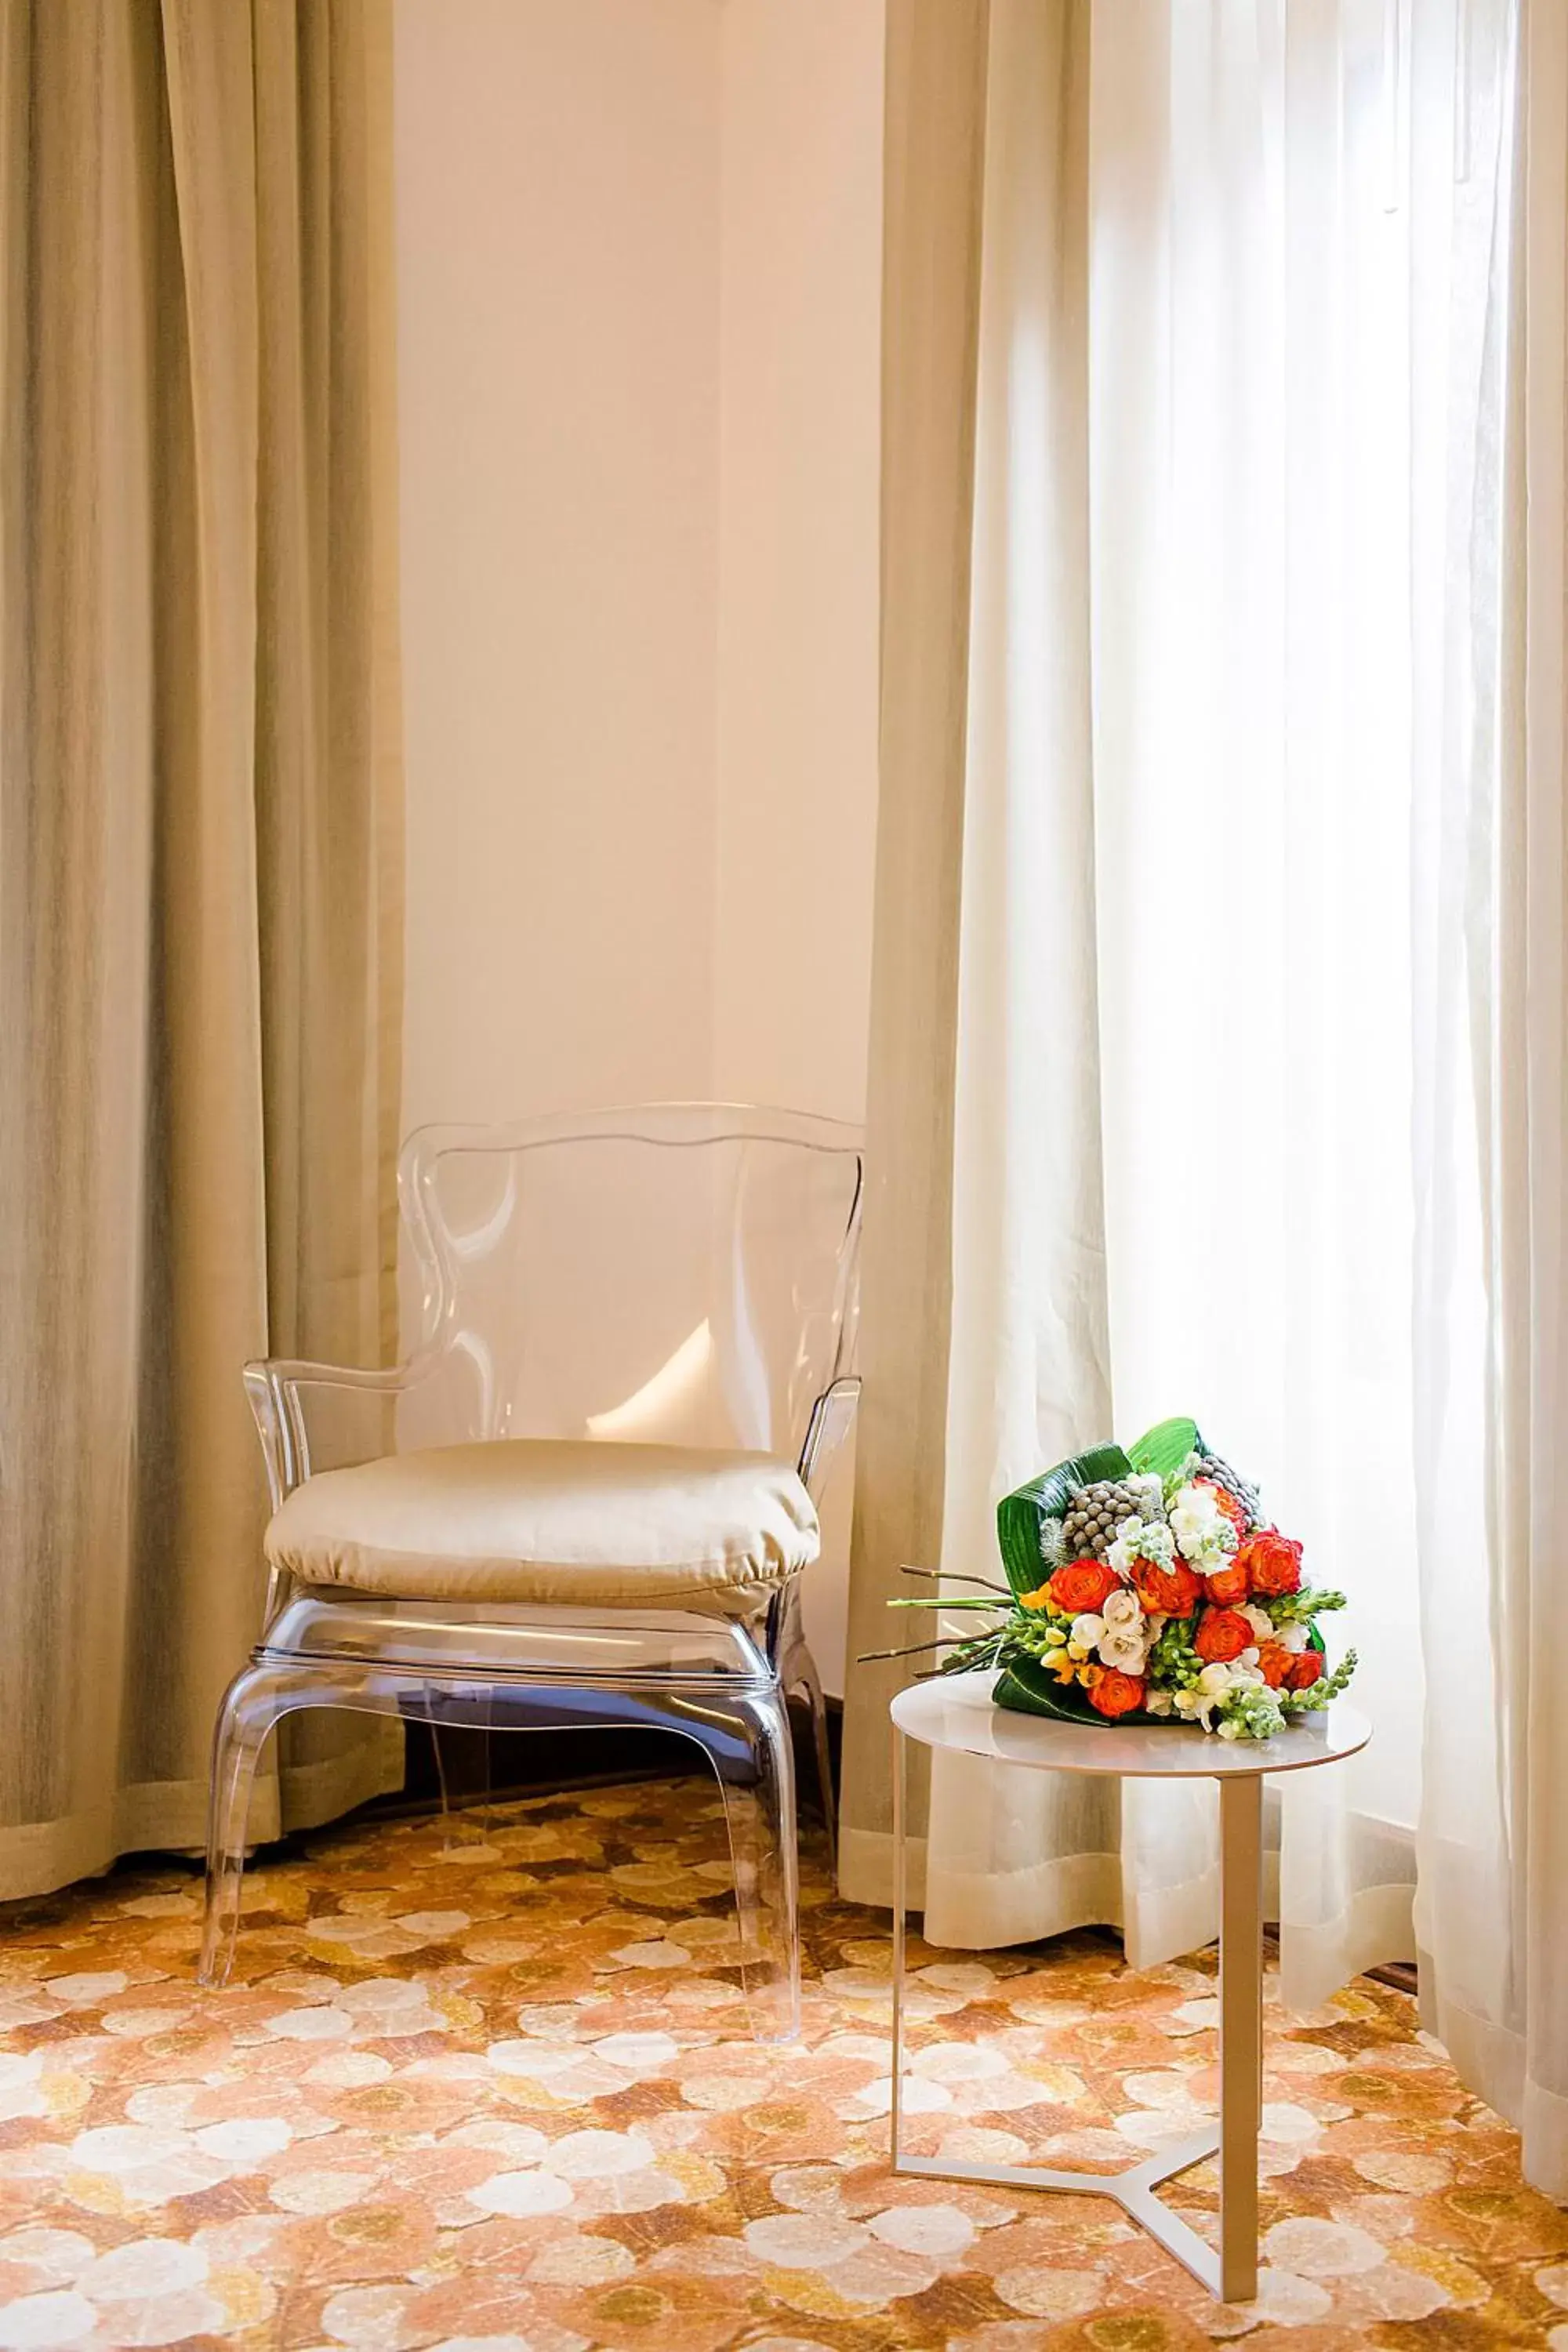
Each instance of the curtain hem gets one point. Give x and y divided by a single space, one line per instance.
1375 1927
866 1868
38 1858
1490 2060
985 1911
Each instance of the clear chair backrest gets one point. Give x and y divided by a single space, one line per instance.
679 1273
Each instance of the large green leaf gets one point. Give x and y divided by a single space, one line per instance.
1027 1689
1163 1449
1018 1514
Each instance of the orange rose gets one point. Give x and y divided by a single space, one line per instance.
1274 1661
1306 1667
1234 1511
1114 1693
1273 1561
1222 1634
1230 1586
1166 1592
1081 1586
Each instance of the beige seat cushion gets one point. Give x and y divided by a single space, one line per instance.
542 1519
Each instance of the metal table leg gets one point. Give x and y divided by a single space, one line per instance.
1232 2273
1240 2032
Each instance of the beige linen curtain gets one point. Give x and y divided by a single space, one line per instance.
199 861
934 172
984 1312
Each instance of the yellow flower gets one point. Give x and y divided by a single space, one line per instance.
1035 1600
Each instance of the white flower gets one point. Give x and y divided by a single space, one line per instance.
1260 1620
1122 1650
1194 1515
1190 1702
1213 1683
1230 1728
1248 1657
1139 1539
1160 1702
1293 1637
1085 1633
1122 1608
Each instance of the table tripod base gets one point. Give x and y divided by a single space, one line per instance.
955 1715
1133 2190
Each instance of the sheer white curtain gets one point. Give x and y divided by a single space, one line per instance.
1492 1120
1275 237
1231 1075
1210 710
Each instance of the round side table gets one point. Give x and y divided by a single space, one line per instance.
955 1712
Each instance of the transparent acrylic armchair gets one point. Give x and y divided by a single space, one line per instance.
682 1275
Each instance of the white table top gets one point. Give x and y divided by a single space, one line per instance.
955 1711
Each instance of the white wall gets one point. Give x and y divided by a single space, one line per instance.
800 263
558 168
639 287
801 321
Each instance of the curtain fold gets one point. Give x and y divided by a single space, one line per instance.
1029 1371
1274 331
1492 1907
933 188
199 894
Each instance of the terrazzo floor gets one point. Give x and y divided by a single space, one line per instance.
491 2091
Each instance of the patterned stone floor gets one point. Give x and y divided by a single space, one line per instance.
495 2096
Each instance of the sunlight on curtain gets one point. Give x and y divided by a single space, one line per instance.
1196 966
1492 1912
1280 339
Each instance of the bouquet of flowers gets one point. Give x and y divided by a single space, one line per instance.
1148 1587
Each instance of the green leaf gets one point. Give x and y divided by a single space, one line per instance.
1163 1449
1027 1689
1018 1516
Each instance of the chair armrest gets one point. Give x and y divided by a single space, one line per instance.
326 1416
832 1419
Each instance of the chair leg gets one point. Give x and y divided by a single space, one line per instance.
745 1734
810 1682
256 1699
756 1765
456 1798
797 1670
